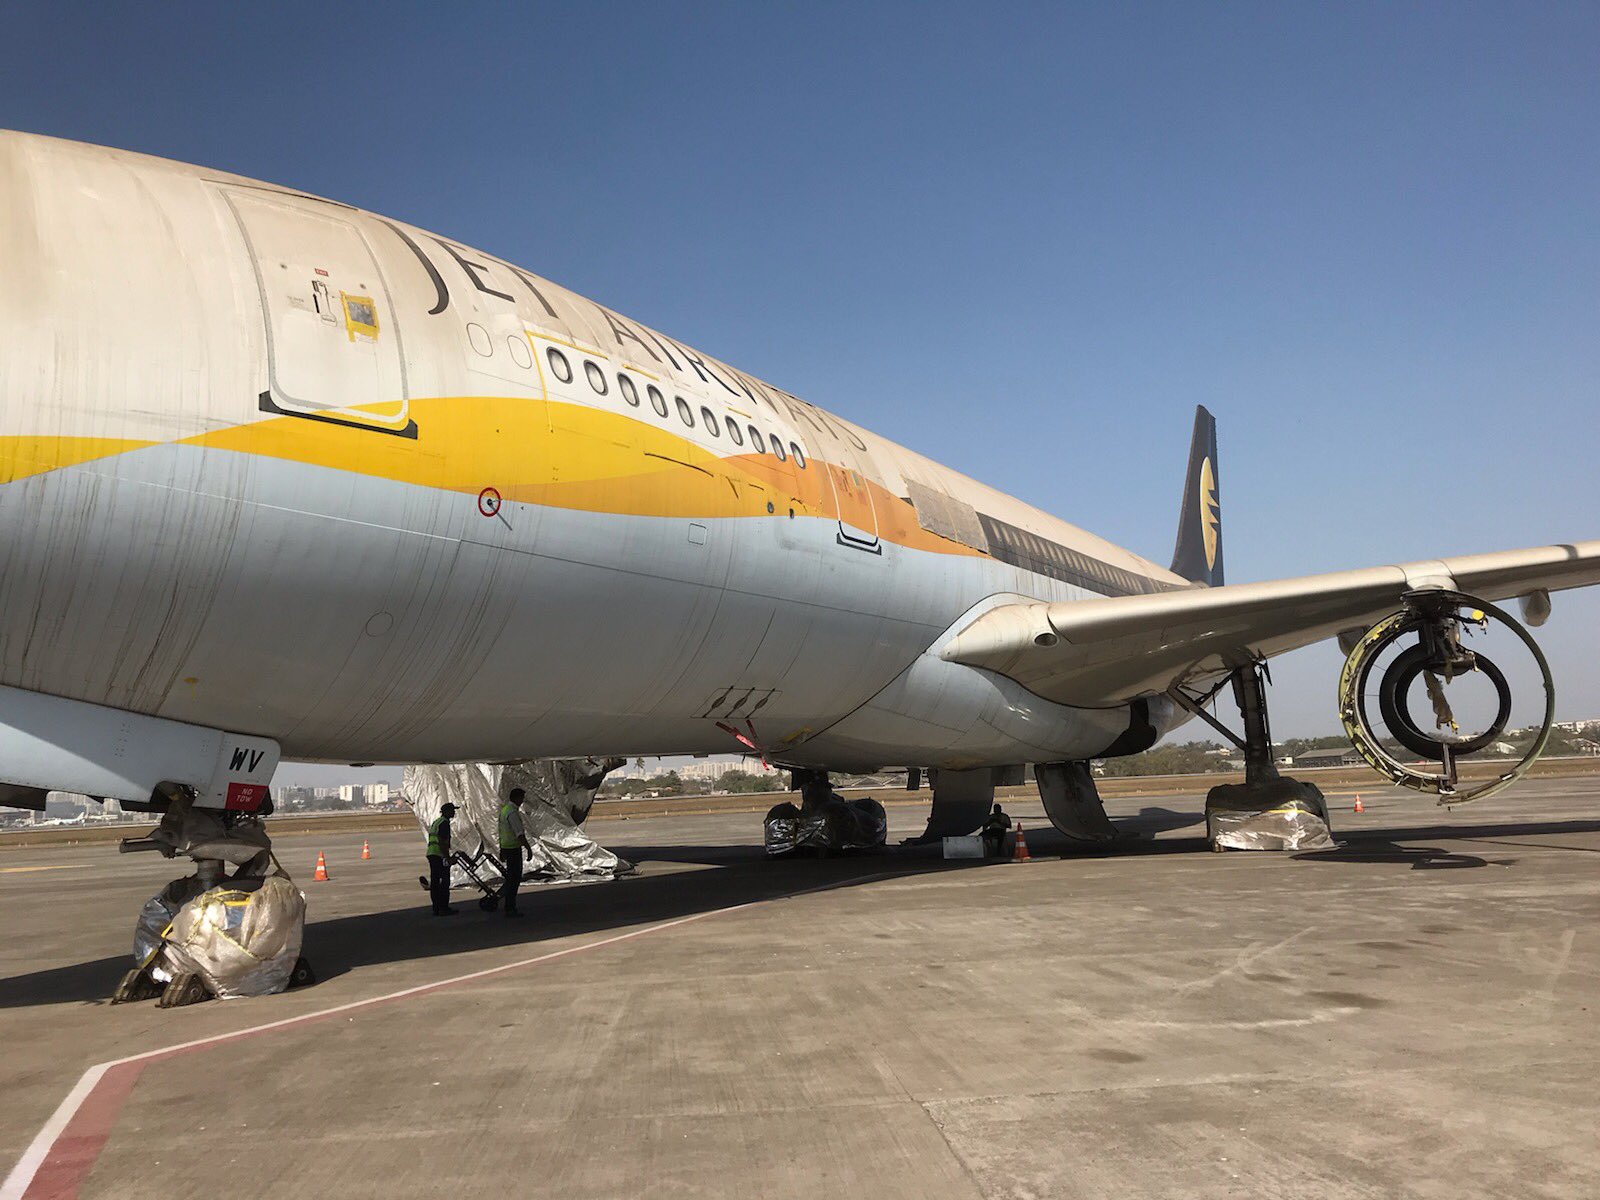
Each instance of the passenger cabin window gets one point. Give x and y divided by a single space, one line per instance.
597 377
799 455
777 448
710 420
559 366
733 432
684 411
756 440
657 400
629 392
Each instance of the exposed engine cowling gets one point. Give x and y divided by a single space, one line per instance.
1438 620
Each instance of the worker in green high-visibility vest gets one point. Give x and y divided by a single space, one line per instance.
438 861
513 843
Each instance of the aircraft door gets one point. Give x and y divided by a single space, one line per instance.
858 518
333 345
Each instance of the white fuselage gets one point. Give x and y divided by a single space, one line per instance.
275 465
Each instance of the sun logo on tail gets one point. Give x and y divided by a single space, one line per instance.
1210 512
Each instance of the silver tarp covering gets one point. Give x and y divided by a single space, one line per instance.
471 787
240 942
832 823
157 913
1283 814
560 793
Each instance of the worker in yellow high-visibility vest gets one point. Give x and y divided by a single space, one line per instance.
513 844
438 861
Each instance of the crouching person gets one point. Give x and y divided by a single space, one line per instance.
995 828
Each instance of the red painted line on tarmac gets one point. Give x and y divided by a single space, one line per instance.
66 1148
83 1135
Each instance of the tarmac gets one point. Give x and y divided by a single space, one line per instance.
1412 1015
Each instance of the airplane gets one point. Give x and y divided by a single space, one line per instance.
283 478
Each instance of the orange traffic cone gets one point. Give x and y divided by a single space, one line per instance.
322 868
1360 807
366 850
1020 852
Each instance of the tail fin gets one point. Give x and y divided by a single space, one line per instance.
1198 556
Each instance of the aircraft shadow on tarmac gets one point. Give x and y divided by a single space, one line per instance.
410 932
743 875
1382 850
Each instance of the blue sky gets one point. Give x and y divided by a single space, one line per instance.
1023 239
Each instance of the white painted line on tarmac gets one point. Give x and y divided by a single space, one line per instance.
61 867
59 1165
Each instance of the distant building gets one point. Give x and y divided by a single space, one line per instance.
350 793
711 770
294 797
377 795
1346 757
705 772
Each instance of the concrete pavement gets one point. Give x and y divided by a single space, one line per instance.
1412 1015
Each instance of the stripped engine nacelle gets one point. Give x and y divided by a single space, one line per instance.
1437 619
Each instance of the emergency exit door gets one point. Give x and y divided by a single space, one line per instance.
858 519
333 346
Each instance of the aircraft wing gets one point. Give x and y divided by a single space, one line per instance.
1094 653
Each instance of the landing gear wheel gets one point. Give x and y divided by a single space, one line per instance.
302 975
184 989
136 985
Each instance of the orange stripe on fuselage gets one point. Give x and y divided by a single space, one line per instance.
532 451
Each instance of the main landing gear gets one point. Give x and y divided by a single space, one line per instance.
1267 811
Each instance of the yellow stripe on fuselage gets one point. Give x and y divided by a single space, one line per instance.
22 456
532 451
